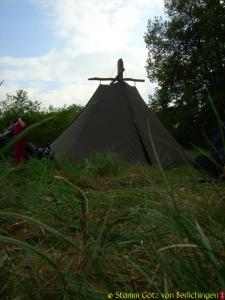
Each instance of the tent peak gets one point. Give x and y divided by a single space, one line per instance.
119 77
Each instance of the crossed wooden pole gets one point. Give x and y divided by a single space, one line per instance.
119 76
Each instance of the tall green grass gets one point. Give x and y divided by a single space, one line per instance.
81 231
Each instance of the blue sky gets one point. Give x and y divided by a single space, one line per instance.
51 47
25 31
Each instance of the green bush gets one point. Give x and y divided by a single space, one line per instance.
103 164
20 106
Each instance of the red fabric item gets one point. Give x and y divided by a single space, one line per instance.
19 149
222 295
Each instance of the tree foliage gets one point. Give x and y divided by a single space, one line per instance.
19 103
187 60
21 106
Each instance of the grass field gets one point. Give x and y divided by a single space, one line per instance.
103 229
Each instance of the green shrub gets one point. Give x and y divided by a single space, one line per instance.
20 106
103 164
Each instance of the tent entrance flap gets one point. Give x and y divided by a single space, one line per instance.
134 121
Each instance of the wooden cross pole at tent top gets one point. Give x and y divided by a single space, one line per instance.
119 76
120 69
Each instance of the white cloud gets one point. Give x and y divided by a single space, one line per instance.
103 26
94 34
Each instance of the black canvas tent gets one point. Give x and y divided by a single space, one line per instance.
117 120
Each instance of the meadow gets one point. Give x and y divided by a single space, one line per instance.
104 229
